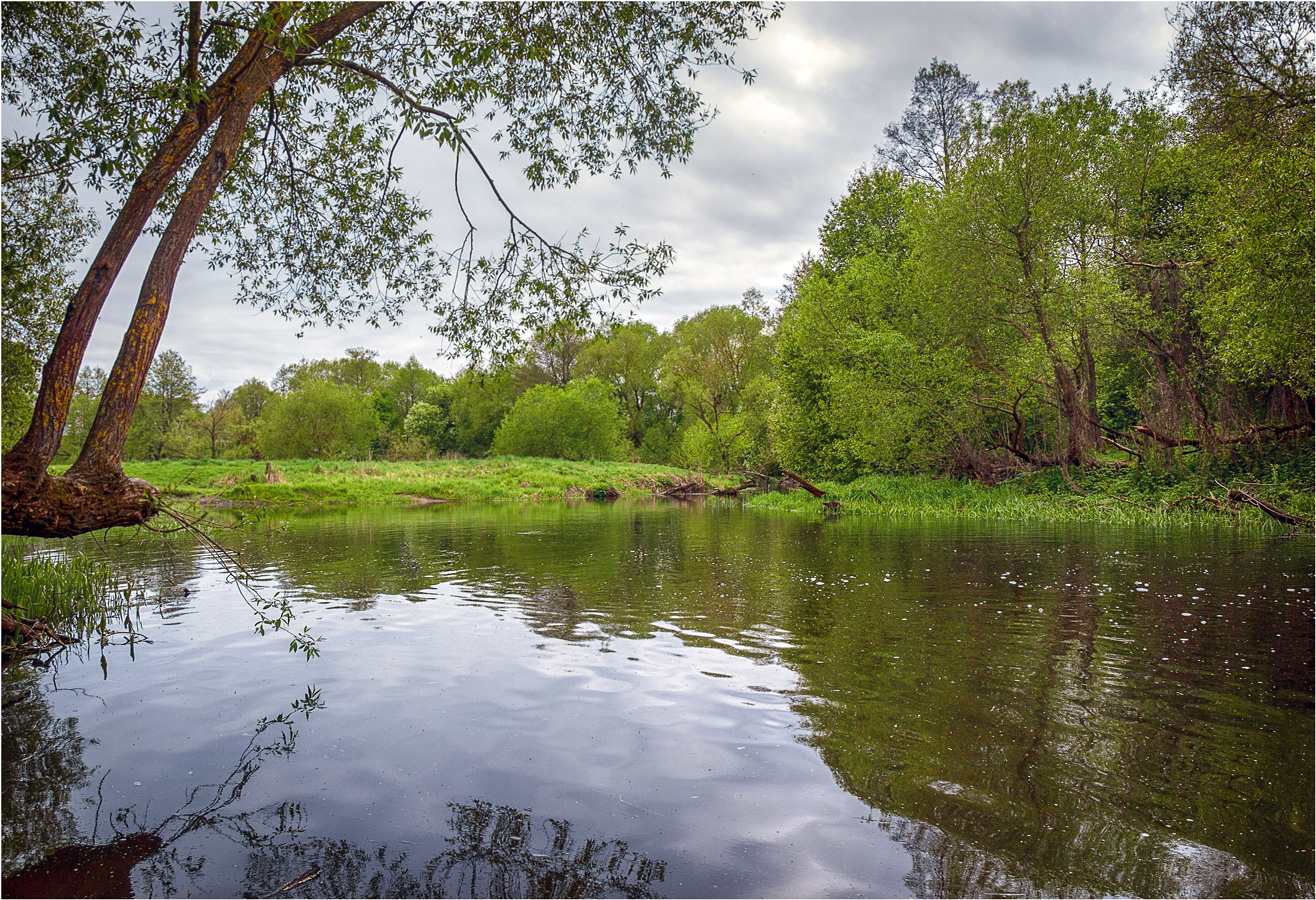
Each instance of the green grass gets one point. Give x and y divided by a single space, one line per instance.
67 591
1102 496
308 482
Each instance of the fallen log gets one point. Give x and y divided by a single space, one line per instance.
25 631
1239 496
735 491
802 483
691 487
1255 435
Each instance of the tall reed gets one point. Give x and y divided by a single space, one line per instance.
69 592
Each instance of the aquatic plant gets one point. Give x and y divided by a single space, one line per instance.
59 596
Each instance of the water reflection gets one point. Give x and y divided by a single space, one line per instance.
47 854
1023 711
493 851
43 766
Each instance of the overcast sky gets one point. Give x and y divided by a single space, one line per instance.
748 204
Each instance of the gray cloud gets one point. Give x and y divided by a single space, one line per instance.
749 203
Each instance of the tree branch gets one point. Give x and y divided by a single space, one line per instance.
454 125
192 71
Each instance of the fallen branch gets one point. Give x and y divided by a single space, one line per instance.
1254 435
735 491
1118 446
26 638
1218 505
1142 506
1239 496
305 878
690 487
802 483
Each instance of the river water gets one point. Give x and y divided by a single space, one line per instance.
681 700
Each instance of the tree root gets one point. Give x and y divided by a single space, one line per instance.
75 503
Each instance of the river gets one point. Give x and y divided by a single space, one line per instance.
662 699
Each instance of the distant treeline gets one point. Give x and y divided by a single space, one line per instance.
1018 281
696 395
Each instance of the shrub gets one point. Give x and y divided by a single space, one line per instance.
579 421
319 419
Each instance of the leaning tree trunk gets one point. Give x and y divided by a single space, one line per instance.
103 447
95 493
41 505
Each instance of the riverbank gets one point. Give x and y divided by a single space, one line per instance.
56 598
1098 495
310 482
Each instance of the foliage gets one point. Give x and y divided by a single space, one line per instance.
715 355
1246 68
555 349
168 402
319 420
565 103
629 358
221 425
1089 274
405 385
933 139
251 397
868 219
69 592
855 393
1246 74
44 230
91 381
579 421
430 423
478 402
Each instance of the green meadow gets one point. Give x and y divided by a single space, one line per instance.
495 479
1099 495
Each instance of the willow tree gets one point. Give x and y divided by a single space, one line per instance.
266 133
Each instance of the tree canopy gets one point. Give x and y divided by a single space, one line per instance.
287 116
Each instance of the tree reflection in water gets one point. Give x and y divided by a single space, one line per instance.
43 766
1065 731
493 851
47 855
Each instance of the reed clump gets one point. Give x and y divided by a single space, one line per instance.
57 595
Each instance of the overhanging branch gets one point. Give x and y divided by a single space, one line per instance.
454 126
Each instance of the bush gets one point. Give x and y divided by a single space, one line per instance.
319 420
579 421
429 424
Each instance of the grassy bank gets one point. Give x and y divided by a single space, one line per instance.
312 482
52 594
1099 495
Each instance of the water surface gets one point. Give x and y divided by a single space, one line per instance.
677 700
